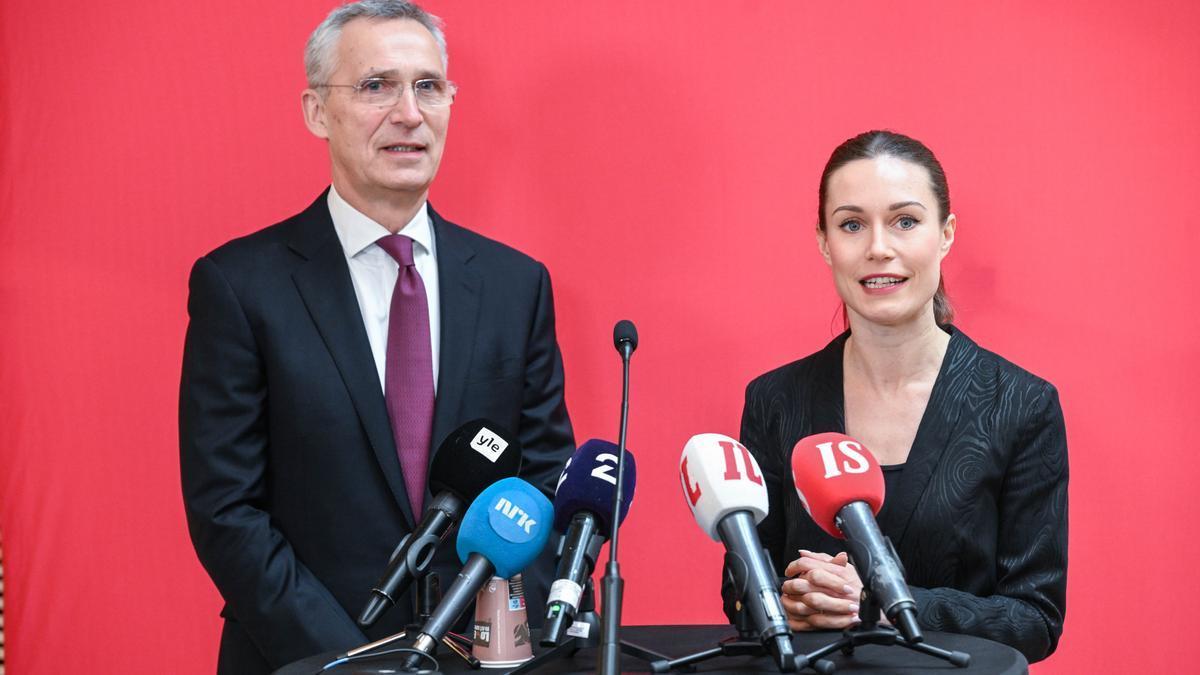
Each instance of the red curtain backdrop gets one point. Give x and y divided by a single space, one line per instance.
662 158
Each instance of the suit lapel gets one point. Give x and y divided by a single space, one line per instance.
948 396
325 286
459 289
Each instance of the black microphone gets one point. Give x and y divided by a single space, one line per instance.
471 458
582 509
625 337
613 586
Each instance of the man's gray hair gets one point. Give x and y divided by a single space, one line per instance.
320 53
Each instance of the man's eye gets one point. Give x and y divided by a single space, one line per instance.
375 86
429 86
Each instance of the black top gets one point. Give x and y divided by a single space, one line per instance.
979 513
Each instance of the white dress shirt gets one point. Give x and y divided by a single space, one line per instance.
374 273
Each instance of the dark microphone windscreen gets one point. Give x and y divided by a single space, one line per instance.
588 483
625 331
832 470
508 523
472 457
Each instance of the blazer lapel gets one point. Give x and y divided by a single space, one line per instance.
325 286
827 407
950 393
459 289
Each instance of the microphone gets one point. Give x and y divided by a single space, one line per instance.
625 337
841 486
504 529
472 457
725 490
583 507
612 585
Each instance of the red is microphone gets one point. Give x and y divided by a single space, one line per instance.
841 486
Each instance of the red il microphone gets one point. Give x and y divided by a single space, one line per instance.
724 487
841 486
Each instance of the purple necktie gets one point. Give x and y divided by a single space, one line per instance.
408 372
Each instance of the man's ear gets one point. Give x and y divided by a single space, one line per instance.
313 106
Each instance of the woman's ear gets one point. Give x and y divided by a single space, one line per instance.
823 246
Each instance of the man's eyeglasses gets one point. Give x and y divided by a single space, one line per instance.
384 92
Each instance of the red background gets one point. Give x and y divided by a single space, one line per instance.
662 158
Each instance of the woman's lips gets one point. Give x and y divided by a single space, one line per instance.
882 284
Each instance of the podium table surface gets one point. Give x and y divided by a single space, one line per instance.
676 641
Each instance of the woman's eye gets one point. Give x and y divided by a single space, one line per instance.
906 223
852 226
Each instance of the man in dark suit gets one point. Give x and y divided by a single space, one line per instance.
328 356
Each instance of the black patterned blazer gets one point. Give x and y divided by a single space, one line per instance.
979 518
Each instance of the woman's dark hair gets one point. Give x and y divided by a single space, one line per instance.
872 144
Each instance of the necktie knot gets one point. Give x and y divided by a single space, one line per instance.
399 247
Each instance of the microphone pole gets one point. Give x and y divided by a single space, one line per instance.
625 340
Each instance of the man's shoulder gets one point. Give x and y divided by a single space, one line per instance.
494 253
261 246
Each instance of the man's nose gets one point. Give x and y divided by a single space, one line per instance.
406 111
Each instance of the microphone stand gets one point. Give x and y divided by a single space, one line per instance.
870 632
427 595
745 643
613 586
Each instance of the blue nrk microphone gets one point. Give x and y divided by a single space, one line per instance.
583 510
503 530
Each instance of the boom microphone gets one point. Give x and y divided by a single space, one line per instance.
724 488
504 529
471 458
841 486
583 507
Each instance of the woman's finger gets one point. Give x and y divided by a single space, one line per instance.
826 604
793 568
830 582
795 607
831 621
798 586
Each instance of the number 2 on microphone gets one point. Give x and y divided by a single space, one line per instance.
848 449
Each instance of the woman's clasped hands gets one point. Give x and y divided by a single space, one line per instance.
822 592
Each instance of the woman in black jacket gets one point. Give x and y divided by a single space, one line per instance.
973 447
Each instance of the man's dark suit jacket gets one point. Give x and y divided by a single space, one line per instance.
980 516
291 483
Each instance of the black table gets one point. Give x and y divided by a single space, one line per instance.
986 656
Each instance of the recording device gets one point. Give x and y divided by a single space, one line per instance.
841 486
504 529
471 458
583 507
724 488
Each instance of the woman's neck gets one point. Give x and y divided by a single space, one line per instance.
889 357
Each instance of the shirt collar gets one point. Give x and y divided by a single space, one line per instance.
357 232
